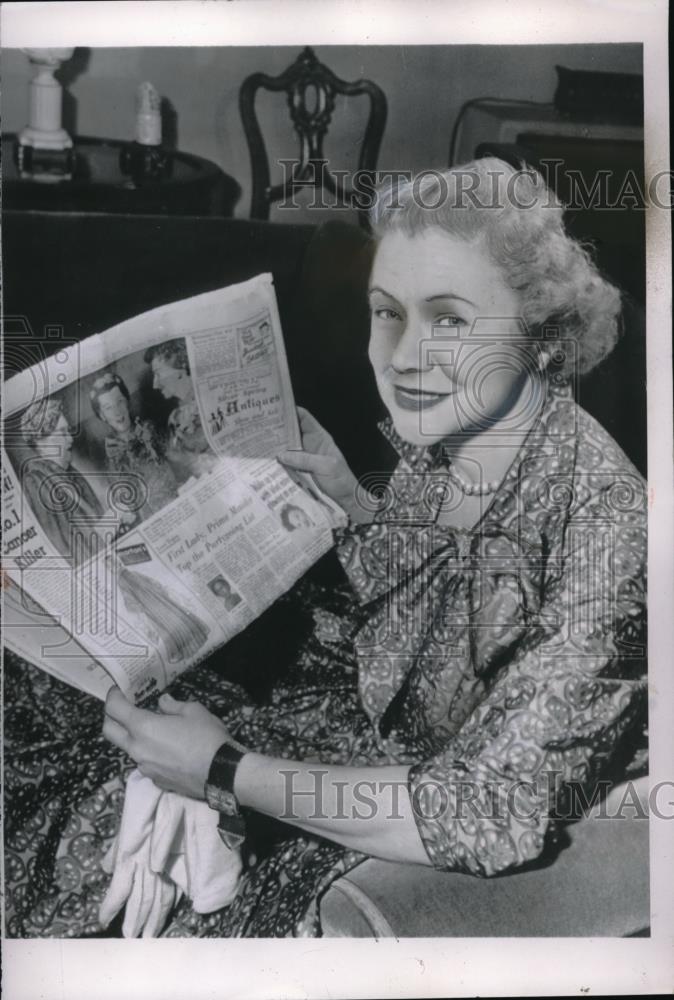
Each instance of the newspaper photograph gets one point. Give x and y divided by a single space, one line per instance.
144 509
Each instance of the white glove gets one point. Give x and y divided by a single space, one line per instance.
185 845
167 844
151 897
147 894
212 869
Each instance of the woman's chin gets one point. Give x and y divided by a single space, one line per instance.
418 429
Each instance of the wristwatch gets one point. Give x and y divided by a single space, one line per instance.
219 793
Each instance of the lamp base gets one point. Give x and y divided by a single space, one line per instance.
39 138
49 165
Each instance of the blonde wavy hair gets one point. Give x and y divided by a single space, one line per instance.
521 223
39 419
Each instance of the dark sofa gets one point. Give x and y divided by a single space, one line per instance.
86 272
79 274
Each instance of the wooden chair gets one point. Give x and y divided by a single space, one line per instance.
311 90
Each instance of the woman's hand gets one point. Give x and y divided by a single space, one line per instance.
323 459
115 448
174 747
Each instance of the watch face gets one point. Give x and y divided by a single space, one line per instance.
224 802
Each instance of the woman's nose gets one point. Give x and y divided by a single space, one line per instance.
411 351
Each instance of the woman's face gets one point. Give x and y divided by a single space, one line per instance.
445 336
221 588
297 518
172 383
114 409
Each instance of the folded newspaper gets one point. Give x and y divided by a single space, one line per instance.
146 519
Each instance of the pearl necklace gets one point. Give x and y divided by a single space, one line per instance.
481 489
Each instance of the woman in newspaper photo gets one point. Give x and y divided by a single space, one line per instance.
133 446
483 645
188 450
60 496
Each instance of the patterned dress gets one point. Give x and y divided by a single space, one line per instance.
188 450
504 663
142 456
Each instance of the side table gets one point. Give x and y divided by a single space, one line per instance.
192 186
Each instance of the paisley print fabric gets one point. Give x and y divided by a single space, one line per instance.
504 663
517 646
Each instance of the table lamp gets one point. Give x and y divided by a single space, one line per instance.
44 149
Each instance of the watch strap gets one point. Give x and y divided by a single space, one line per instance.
232 830
223 767
219 793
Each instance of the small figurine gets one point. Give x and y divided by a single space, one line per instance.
144 159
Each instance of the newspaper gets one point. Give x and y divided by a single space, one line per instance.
146 518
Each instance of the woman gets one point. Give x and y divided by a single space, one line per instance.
224 590
61 497
188 450
133 446
294 518
481 652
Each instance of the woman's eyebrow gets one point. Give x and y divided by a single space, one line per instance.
431 298
382 291
450 295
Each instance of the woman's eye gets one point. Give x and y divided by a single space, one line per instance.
449 321
385 313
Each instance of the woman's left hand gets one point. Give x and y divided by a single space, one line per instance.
174 746
322 458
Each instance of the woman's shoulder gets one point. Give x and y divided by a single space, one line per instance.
573 469
597 448
569 430
34 467
605 485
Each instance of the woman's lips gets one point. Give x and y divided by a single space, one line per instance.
416 399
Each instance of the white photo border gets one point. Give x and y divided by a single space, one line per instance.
177 969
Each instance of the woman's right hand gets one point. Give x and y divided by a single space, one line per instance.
322 458
174 747
115 449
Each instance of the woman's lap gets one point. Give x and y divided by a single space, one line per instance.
64 793
64 788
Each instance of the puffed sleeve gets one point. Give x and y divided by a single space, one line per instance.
557 714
